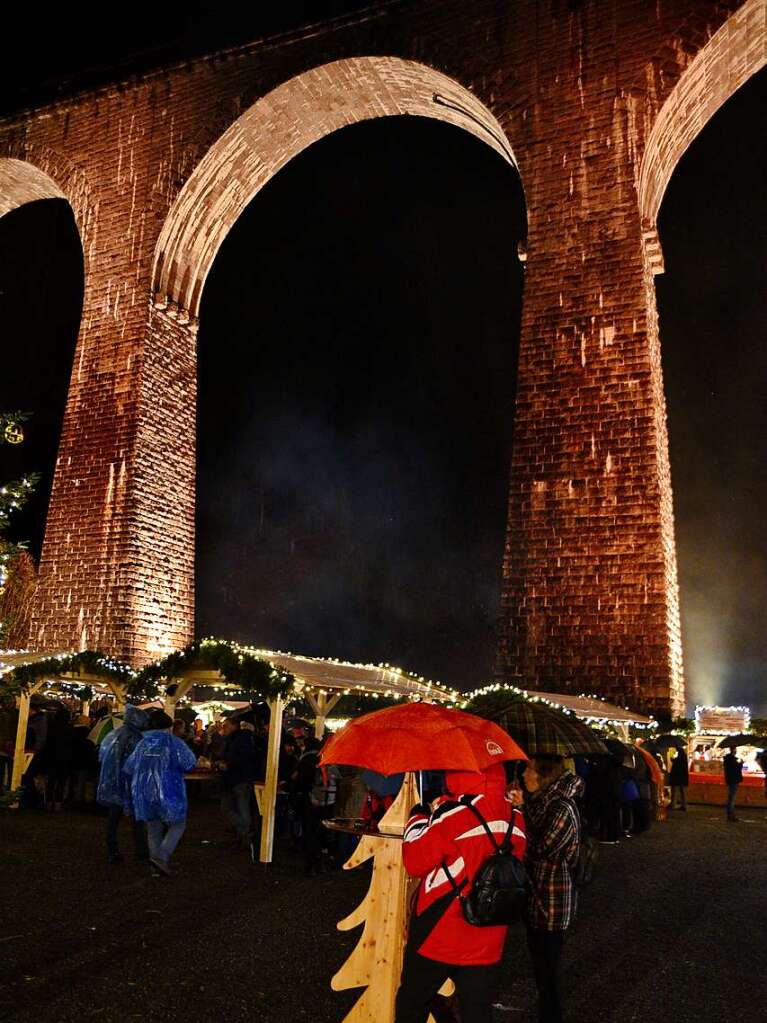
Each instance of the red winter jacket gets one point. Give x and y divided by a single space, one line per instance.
454 834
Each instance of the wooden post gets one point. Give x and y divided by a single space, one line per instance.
21 736
321 704
19 758
269 799
182 688
119 694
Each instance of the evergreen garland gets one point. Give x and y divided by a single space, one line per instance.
239 667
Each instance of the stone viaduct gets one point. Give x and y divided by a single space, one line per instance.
593 101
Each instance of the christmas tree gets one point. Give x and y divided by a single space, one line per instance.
376 962
16 565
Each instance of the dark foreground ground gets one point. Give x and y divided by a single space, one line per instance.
672 929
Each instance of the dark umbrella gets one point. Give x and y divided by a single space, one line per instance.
758 741
663 742
540 729
619 749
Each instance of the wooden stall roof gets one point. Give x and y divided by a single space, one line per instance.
591 708
340 677
314 673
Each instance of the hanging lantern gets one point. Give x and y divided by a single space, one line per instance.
14 433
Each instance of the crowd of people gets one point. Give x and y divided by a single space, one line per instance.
548 814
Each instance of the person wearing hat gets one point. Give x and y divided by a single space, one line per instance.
445 849
158 791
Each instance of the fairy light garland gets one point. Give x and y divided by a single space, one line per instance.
251 671
533 697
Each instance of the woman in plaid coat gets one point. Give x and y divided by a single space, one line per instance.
553 842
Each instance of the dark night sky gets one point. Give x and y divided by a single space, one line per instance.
358 445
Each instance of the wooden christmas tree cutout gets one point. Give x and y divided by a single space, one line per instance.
376 962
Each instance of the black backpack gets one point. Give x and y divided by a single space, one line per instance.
498 895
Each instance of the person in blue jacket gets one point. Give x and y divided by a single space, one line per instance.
113 790
157 767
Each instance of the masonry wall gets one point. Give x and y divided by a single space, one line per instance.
589 599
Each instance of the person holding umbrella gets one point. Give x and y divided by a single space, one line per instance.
445 849
679 778
733 776
445 846
554 836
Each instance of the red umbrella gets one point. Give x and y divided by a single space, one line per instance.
420 737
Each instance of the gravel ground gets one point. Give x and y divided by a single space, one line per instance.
672 928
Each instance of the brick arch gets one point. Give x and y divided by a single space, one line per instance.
22 182
731 56
30 172
276 128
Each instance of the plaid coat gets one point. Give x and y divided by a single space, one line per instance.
553 841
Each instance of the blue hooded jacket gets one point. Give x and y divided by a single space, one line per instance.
157 767
114 786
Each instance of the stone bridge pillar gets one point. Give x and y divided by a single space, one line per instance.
590 599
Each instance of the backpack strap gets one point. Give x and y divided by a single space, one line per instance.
457 888
505 844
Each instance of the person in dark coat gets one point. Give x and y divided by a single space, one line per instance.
642 806
733 776
241 768
317 788
605 784
679 779
84 765
55 758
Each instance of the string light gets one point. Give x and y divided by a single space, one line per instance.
604 720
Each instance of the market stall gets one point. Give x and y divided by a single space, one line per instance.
235 671
716 730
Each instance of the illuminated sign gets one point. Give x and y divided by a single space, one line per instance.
722 720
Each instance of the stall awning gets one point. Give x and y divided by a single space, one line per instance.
594 710
341 677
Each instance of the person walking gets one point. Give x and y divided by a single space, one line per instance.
114 790
733 776
679 779
156 767
553 843
445 849
240 771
